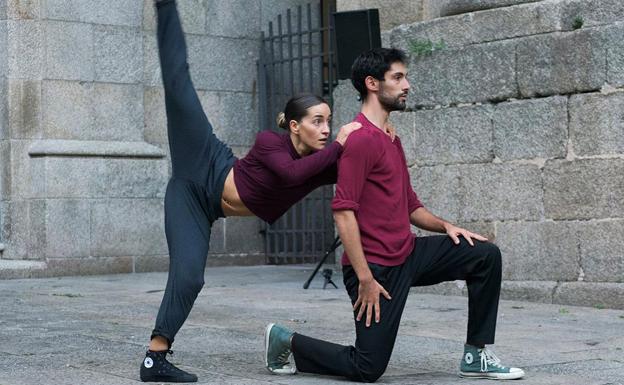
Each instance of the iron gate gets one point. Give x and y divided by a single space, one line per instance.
298 58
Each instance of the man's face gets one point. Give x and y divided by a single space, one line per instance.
394 88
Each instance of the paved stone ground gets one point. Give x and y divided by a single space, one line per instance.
94 330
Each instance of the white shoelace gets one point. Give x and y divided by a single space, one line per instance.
489 358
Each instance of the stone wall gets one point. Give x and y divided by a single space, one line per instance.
515 130
83 145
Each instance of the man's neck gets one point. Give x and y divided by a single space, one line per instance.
375 113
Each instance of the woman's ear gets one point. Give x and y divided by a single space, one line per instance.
294 126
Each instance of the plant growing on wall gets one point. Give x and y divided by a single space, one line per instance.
578 22
425 47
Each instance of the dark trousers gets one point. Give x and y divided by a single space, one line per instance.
200 164
434 259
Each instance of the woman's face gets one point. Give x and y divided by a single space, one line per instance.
313 129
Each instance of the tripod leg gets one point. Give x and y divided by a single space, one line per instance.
322 261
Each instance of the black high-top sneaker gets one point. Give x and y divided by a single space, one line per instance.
156 368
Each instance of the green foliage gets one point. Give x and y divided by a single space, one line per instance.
425 47
564 311
578 22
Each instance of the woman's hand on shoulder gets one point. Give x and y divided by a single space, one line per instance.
346 130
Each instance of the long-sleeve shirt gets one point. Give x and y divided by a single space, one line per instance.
273 176
374 183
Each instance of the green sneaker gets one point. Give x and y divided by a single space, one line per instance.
277 349
482 363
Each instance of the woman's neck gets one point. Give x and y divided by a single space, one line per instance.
301 148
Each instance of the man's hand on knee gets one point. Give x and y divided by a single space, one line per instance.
368 300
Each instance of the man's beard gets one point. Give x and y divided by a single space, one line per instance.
390 103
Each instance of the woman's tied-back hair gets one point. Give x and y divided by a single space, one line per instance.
297 107
375 63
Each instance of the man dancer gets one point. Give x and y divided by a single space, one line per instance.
373 208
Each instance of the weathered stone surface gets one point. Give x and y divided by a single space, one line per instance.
238 53
151 62
193 14
148 263
233 115
500 192
217 237
24 109
67 228
439 189
561 63
69 51
26 236
155 116
3 10
459 76
602 250
593 12
615 54
531 129
391 13
541 251
225 19
453 135
462 6
534 291
94 148
85 266
122 227
100 111
118 54
118 12
5 173
480 27
133 178
597 124
20 169
26 49
68 177
23 9
346 105
403 122
604 294
242 235
3 46
584 189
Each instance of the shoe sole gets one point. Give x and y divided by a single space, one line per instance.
492 376
267 333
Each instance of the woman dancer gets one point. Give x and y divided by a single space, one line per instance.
208 182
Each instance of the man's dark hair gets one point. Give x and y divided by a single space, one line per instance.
375 63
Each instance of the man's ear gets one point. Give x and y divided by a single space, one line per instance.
371 83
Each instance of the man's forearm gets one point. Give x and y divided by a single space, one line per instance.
423 219
349 232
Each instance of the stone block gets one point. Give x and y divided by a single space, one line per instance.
531 129
26 229
3 47
5 172
453 135
193 16
118 54
86 266
151 62
539 251
217 237
155 116
126 227
226 19
4 106
69 177
67 228
133 178
593 12
3 10
149 263
117 112
602 250
115 12
584 189
60 122
346 105
444 288
484 72
560 63
24 109
533 291
480 27
25 43
391 13
23 9
21 187
403 123
438 188
238 53
500 192
233 115
604 294
101 111
69 51
149 16
597 124
615 53
455 7
242 235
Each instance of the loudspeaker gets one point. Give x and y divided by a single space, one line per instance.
356 32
